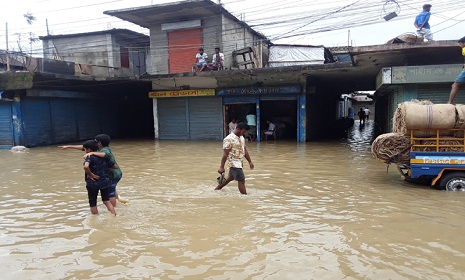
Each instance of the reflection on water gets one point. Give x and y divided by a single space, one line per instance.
317 210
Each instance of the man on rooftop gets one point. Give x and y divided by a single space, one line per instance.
422 23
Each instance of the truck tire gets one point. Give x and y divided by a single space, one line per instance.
454 181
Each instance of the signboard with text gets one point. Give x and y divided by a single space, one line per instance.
182 93
259 90
425 74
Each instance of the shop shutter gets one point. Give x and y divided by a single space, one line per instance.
183 45
395 99
6 125
87 118
205 118
63 120
172 118
37 123
439 94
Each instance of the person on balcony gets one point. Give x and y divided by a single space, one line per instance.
217 61
200 61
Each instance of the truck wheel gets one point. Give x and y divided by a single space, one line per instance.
454 181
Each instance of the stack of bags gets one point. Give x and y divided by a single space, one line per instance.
425 117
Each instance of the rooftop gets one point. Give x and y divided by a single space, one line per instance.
148 16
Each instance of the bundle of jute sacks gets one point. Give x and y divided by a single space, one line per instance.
425 117
392 148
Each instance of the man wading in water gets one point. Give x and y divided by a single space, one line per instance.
234 150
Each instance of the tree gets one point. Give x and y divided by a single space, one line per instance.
30 18
31 37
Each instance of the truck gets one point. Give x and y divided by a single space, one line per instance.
438 161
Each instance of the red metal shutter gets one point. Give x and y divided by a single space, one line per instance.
183 45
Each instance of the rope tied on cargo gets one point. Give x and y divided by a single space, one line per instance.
429 116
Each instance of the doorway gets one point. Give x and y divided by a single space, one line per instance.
237 111
283 113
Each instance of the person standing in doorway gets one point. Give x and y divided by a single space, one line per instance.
234 151
422 23
232 125
460 78
252 123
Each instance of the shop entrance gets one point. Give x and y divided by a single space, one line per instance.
239 112
283 113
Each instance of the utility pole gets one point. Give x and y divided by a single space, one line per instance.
348 38
7 54
46 23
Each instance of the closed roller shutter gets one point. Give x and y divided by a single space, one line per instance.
205 118
87 118
395 99
63 120
6 125
36 122
439 94
172 118
183 45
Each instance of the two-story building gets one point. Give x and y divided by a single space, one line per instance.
86 84
199 105
107 53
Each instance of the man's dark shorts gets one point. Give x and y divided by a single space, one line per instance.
92 192
237 173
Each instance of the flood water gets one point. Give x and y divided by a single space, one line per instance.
316 210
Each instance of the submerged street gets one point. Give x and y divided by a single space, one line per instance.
315 210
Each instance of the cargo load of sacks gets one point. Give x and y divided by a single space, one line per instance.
425 117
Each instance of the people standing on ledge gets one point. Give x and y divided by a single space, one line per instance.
422 23
461 77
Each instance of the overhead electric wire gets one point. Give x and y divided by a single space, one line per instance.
301 23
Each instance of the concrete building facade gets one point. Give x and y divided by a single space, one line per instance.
178 30
108 53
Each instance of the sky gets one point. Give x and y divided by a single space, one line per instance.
318 22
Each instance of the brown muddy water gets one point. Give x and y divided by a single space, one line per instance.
316 210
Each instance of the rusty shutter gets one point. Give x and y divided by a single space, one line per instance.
183 45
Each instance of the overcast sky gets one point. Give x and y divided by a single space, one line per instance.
283 22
